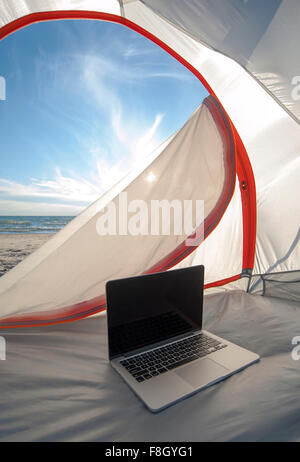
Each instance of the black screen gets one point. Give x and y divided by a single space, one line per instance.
147 309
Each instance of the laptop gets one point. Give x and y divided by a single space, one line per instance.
156 341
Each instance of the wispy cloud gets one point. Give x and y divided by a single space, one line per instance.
147 142
132 51
136 72
73 189
131 139
61 188
13 207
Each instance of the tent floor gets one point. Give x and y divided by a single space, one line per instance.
56 383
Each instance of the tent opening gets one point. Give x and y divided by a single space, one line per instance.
239 164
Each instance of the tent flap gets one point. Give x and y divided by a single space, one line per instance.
197 163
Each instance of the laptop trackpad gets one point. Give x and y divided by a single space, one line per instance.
201 372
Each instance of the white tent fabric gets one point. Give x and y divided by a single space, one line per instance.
231 242
249 32
253 91
12 10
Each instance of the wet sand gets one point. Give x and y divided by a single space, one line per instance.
15 247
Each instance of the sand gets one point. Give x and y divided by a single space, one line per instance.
15 247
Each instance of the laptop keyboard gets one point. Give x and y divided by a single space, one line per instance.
147 331
150 364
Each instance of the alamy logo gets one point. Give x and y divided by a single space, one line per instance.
2 349
2 88
296 350
296 90
156 217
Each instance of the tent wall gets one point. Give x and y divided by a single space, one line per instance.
12 10
285 285
271 138
260 36
223 247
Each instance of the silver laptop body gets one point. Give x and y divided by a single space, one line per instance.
156 341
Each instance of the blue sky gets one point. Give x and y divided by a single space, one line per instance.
85 100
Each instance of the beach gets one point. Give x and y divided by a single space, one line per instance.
22 235
15 247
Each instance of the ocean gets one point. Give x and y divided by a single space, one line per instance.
32 225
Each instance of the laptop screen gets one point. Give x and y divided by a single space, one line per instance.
144 310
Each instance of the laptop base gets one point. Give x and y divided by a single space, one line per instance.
174 385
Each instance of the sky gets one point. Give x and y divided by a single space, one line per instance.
85 100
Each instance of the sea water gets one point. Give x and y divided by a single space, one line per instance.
32 225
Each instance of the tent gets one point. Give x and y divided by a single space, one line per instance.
255 109
238 152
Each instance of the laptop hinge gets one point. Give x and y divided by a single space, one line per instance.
157 345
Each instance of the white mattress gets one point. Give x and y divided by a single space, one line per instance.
57 385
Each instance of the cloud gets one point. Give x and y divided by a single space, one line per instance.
73 191
61 188
123 72
131 51
129 138
146 144
11 207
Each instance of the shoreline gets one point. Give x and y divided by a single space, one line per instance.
15 247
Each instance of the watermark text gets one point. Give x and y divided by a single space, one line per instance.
2 349
2 88
154 217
